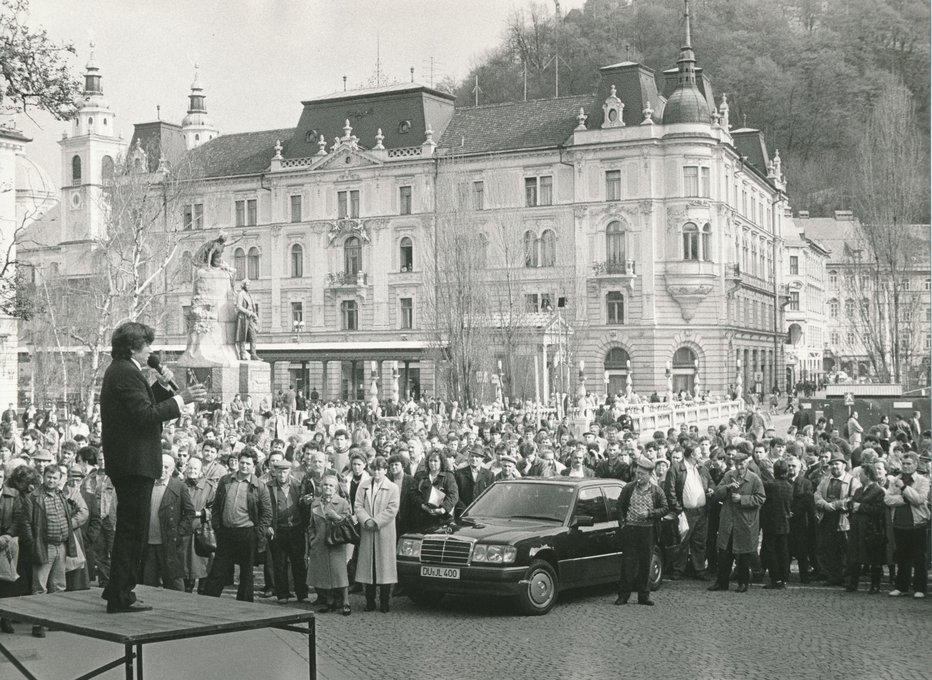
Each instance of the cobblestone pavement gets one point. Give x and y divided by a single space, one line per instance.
803 632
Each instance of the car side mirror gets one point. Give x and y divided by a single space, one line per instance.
582 521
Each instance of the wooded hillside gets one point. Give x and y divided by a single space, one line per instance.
806 72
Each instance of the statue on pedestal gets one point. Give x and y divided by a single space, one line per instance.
247 323
212 316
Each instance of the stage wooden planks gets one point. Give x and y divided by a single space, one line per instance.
174 616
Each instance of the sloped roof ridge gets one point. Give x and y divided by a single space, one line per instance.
528 101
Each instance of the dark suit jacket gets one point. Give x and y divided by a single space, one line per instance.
775 512
132 414
676 480
296 517
469 490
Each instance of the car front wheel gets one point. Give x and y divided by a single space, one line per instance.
541 587
655 573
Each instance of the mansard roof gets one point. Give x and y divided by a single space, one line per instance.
243 153
541 123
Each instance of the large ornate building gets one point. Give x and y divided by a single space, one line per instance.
653 233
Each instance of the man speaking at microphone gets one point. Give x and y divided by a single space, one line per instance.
132 413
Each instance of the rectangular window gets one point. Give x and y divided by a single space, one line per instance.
538 191
794 300
297 316
194 216
407 313
404 200
347 204
705 187
246 213
794 265
615 308
296 208
613 185
690 180
478 195
531 302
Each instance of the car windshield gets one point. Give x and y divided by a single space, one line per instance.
509 500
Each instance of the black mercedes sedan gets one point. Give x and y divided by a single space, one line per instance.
526 539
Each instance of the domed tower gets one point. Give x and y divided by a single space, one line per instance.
89 154
686 103
197 125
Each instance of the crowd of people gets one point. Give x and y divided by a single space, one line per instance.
321 508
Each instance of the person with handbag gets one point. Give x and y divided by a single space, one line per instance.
17 574
202 490
329 534
377 503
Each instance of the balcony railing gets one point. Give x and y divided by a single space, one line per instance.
347 279
614 268
733 271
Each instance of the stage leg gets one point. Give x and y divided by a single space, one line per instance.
312 649
128 661
138 662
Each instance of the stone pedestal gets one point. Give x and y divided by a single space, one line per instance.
211 321
223 382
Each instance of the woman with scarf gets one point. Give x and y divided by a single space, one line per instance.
326 564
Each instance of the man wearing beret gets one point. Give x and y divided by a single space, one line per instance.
831 504
741 493
639 506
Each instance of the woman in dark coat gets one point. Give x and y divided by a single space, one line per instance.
434 493
775 524
22 480
867 535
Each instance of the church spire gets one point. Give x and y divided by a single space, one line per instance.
197 125
687 61
92 84
686 103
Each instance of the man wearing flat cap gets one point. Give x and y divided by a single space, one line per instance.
832 499
641 503
741 493
473 479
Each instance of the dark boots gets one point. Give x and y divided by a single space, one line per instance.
385 594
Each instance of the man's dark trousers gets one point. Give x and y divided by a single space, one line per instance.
234 547
134 496
637 544
289 546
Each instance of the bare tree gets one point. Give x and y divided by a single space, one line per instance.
456 297
887 256
128 272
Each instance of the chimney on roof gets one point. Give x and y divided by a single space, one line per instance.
804 214
843 215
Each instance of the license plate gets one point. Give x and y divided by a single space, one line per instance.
440 572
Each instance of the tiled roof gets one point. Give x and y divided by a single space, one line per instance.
521 125
834 234
242 153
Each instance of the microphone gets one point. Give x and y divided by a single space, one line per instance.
154 362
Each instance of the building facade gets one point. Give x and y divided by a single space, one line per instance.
652 235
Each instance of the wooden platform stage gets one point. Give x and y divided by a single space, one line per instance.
174 616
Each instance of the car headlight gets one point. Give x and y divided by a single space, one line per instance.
494 554
410 547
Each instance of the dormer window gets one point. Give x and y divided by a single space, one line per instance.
404 127
311 136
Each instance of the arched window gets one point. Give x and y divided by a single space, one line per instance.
684 370
690 241
352 256
482 257
76 170
106 169
548 248
239 263
832 278
615 246
297 261
615 307
252 264
187 267
707 242
530 249
616 359
616 368
349 315
407 254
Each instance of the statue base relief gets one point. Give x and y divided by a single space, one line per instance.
224 382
